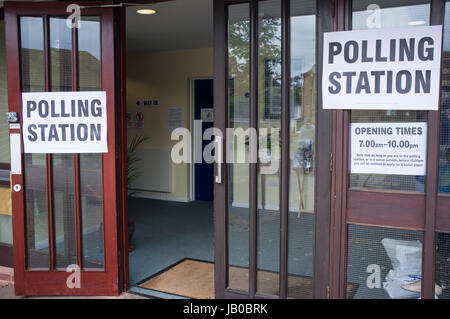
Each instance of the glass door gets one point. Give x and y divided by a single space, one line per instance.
64 205
272 230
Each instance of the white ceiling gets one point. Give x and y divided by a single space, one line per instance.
179 24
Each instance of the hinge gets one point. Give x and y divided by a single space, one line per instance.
328 292
331 161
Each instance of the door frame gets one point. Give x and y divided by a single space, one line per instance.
53 281
323 178
426 212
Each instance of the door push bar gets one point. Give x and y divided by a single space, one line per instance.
219 150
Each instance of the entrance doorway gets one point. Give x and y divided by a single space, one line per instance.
170 204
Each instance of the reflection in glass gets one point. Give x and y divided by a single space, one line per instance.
5 216
32 54
64 210
238 173
4 129
36 210
62 164
415 12
89 54
36 204
269 128
302 149
60 55
92 209
444 163
91 166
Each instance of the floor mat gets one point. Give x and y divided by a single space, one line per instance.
195 279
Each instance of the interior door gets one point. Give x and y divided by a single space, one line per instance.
64 207
203 100
272 215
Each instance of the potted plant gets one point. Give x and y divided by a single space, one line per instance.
133 173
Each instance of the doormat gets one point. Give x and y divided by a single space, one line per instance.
195 279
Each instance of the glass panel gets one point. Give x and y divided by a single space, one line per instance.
91 165
269 124
393 15
5 195
442 288
89 54
383 263
302 149
32 62
444 167
6 236
36 210
32 54
238 173
60 55
63 170
4 131
64 210
92 209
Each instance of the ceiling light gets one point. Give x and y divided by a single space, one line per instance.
419 22
146 11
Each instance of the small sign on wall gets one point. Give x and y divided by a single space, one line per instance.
64 122
207 114
140 119
396 69
388 148
148 103
174 118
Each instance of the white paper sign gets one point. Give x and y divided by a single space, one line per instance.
388 148
64 122
16 153
396 69
174 118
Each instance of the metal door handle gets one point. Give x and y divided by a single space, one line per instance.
219 148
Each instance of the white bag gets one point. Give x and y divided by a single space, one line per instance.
406 260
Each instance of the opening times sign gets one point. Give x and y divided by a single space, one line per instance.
64 122
387 69
388 148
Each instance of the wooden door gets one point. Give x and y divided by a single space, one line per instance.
272 215
65 214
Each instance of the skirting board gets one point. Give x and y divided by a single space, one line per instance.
162 197
267 207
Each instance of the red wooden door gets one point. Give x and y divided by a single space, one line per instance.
65 212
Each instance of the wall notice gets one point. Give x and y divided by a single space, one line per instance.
397 69
388 148
64 122
174 118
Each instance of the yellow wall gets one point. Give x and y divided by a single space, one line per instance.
166 76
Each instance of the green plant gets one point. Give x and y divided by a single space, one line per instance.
132 159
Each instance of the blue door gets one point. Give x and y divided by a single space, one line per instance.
204 172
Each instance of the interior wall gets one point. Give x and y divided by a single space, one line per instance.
165 75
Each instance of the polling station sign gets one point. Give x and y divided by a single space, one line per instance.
396 69
64 122
388 148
